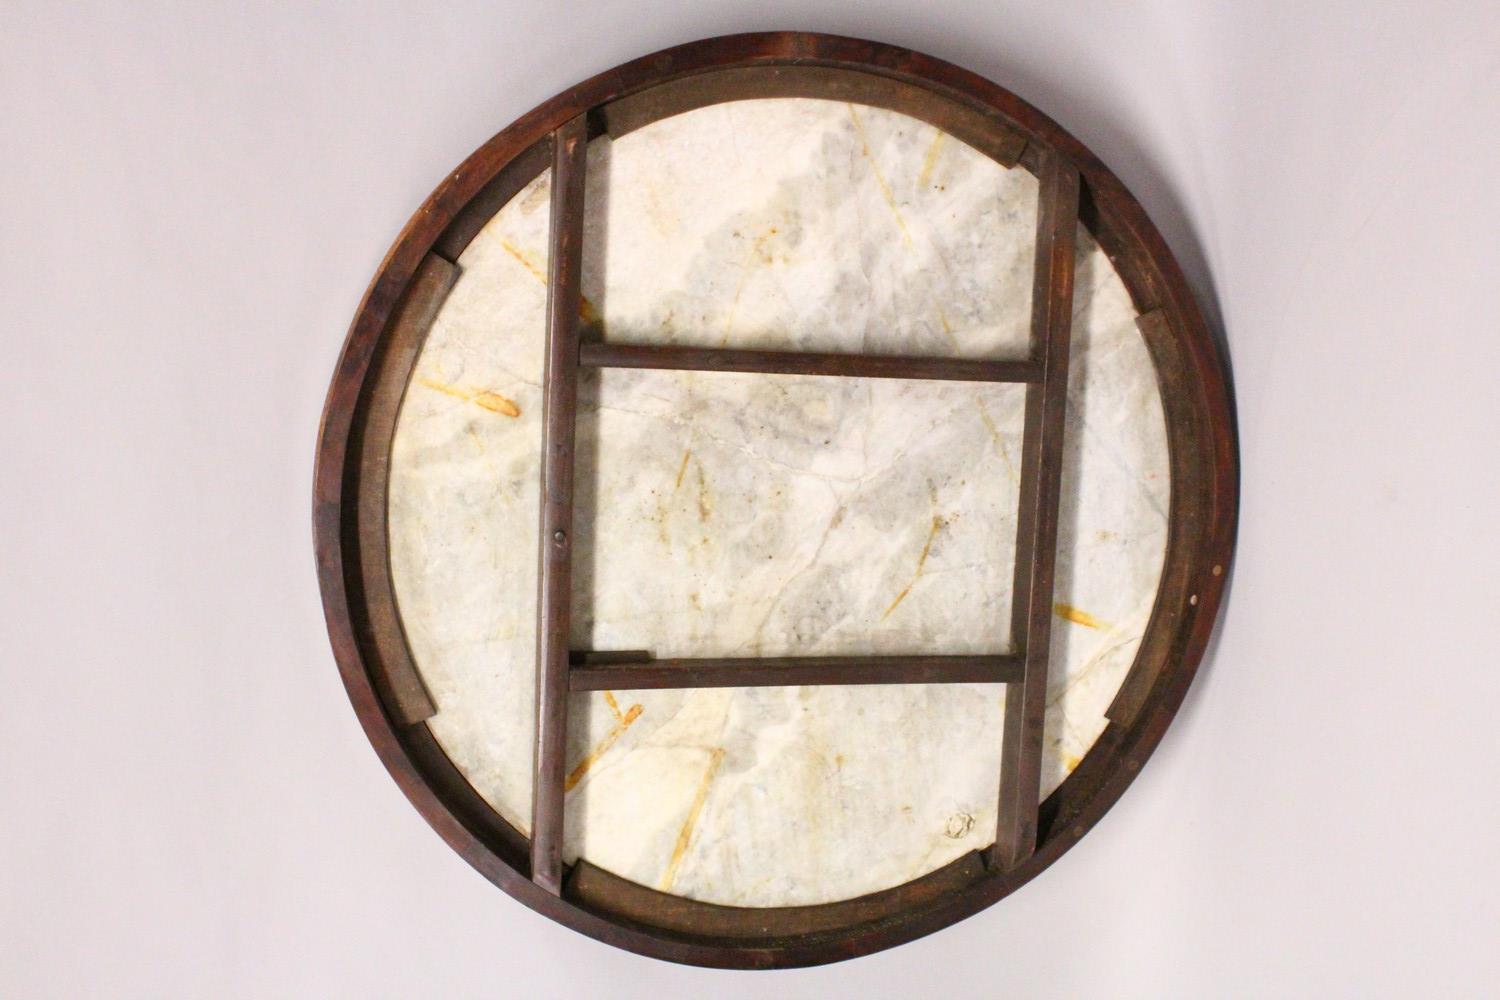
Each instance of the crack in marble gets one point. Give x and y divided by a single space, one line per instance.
1079 674
833 522
1138 479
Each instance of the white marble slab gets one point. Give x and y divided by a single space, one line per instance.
762 515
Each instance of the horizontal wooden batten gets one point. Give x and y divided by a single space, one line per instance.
603 672
710 359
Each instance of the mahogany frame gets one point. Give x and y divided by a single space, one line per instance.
359 421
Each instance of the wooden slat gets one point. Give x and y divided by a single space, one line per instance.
1036 530
991 132
560 393
793 670
1189 514
709 359
392 668
603 892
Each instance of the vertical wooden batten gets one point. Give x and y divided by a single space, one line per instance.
555 576
1036 520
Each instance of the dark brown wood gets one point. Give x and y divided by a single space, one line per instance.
492 197
1177 599
1200 427
992 134
555 577
711 359
1036 531
783 671
606 893
391 663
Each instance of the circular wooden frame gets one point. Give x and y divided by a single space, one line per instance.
359 420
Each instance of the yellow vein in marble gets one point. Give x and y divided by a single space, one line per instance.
930 160
685 835
484 398
885 189
756 255
705 499
937 523
592 757
586 310
989 423
734 306
1077 616
525 261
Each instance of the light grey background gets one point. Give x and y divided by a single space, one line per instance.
194 197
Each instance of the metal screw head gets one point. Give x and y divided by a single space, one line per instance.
559 536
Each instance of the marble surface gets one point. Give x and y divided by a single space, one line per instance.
760 515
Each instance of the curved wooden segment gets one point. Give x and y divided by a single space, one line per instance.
395 673
496 193
607 894
987 131
1036 521
1182 581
